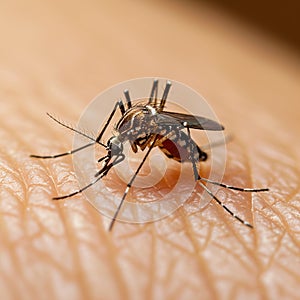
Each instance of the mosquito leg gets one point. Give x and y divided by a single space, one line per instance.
153 94
224 206
122 109
130 184
134 147
251 190
127 96
63 154
155 98
165 95
198 178
117 160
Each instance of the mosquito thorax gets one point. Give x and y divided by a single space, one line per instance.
137 122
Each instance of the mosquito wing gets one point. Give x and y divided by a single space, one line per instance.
169 118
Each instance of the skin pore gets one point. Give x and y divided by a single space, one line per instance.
56 57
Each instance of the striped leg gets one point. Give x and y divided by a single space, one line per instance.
165 95
196 174
153 95
105 170
119 105
130 184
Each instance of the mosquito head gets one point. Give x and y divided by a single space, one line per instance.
115 146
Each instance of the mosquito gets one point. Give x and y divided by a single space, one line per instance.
146 125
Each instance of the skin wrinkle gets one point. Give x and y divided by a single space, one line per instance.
168 272
283 222
175 245
274 252
91 246
250 254
264 271
182 289
80 243
288 271
249 168
52 259
74 244
10 179
201 261
259 281
11 250
261 285
208 238
133 260
153 265
72 241
285 225
242 262
23 180
119 278
113 251
40 254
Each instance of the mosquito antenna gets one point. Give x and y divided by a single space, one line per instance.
71 151
155 98
63 154
127 96
130 184
75 130
224 206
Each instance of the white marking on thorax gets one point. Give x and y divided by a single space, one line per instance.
152 110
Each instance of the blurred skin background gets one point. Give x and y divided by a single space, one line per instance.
56 56
277 20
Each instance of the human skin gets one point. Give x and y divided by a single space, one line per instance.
56 57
